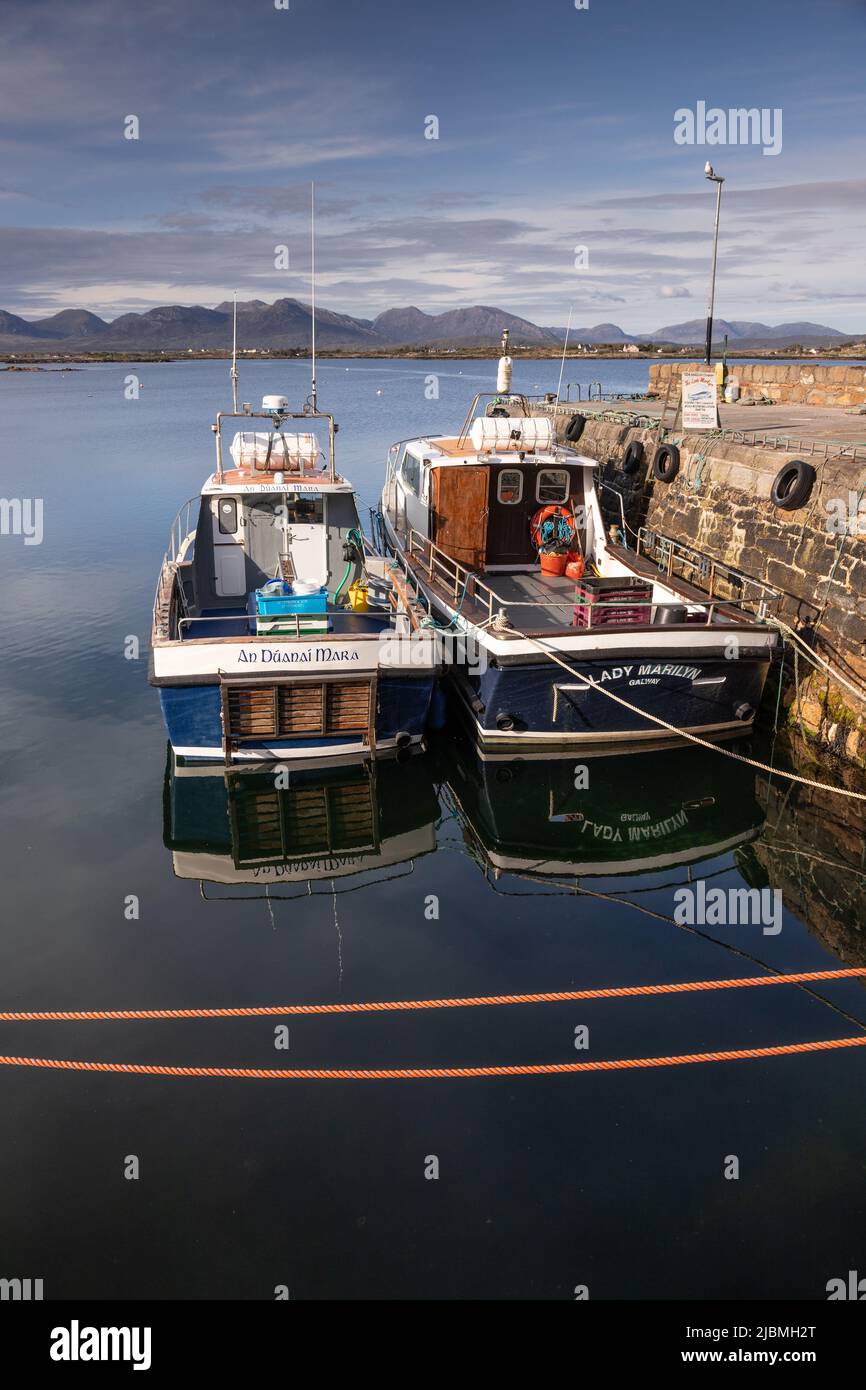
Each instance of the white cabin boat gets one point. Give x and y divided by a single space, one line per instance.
277 632
541 656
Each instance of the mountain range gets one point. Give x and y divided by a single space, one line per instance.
286 324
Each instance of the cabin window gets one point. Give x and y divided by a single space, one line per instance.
292 509
395 458
228 516
552 485
509 487
412 474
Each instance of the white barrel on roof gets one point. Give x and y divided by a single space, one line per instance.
267 452
511 432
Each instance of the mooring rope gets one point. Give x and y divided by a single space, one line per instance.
411 1005
682 733
817 660
433 1073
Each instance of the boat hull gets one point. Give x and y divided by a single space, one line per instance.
194 723
540 702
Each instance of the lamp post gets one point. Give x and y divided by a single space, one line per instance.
718 181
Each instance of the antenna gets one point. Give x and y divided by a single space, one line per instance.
313 394
564 350
234 371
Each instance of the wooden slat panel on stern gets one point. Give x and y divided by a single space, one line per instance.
302 709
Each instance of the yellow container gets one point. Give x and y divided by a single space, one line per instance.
358 597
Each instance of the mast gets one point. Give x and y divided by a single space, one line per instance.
313 393
564 351
234 371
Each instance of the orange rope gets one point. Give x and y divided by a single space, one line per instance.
433 1073
397 1005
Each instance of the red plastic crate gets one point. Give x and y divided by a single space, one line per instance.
612 602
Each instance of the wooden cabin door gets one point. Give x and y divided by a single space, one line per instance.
460 513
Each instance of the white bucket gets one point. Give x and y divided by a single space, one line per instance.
305 586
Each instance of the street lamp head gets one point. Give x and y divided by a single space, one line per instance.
708 169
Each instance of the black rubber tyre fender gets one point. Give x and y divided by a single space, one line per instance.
633 457
574 428
666 463
792 485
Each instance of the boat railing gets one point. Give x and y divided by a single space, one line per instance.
675 559
180 529
516 397
277 419
453 576
290 624
618 495
462 583
169 592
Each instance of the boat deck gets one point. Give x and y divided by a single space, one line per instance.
541 604
534 600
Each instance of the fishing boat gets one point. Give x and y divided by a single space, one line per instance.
561 634
278 633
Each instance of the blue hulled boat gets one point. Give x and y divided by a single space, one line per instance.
556 634
277 632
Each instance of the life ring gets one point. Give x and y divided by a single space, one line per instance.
792 485
574 428
556 534
666 463
633 457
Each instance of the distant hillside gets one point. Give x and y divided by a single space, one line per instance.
478 324
286 325
744 334
601 333
72 323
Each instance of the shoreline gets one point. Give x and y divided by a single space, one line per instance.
24 361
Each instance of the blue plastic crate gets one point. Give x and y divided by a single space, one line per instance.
271 603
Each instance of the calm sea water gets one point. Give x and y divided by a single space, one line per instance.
611 1180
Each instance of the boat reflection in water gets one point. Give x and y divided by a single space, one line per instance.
607 814
295 825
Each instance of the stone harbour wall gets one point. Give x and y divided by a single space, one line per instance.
781 382
812 848
719 502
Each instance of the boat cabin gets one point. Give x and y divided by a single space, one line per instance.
273 544
475 495
500 523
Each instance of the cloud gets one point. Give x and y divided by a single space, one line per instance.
675 292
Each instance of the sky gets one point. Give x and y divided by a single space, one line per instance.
556 131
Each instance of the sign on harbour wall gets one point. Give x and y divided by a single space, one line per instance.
700 400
